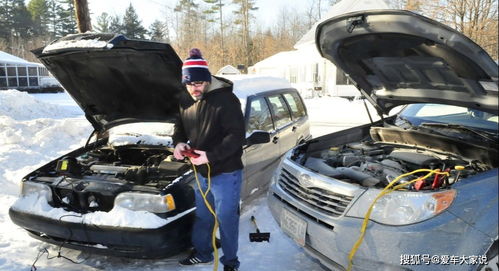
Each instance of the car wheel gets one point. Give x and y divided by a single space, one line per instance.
492 257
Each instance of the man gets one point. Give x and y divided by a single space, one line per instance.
211 123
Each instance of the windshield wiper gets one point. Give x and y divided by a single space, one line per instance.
487 135
405 120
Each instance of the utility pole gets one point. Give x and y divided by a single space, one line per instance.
82 16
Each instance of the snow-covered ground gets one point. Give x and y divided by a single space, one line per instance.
35 129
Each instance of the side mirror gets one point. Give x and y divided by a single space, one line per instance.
258 137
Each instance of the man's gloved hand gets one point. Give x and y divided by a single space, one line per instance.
202 159
179 148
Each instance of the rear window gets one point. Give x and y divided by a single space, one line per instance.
295 104
279 110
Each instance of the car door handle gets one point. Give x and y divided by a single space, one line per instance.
275 139
294 128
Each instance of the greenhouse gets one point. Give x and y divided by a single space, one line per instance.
17 73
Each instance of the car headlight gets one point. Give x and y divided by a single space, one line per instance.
28 188
145 202
402 208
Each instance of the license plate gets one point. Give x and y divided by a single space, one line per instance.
294 226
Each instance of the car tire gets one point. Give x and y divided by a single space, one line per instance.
492 259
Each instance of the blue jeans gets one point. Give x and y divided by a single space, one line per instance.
224 197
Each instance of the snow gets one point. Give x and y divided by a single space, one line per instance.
117 217
152 133
8 58
80 43
247 85
37 128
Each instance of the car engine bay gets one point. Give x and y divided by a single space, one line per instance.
376 163
90 180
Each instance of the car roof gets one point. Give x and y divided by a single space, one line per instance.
250 85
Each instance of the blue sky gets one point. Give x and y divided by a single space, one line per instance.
150 10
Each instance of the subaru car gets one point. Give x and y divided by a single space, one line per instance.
123 193
418 189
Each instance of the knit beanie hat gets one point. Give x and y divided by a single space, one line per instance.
195 68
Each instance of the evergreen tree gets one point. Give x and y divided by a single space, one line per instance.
67 18
103 23
132 26
53 26
21 19
158 31
39 15
5 19
15 20
188 31
115 25
243 18
216 8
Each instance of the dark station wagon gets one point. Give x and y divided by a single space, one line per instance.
123 193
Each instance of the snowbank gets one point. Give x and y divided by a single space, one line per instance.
23 106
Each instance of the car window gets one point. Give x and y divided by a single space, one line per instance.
259 116
279 110
295 104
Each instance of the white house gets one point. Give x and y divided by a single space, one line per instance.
305 69
228 70
17 73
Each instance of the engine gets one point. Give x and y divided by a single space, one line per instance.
376 164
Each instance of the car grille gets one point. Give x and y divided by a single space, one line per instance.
327 202
79 202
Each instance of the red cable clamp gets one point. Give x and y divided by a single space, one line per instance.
190 153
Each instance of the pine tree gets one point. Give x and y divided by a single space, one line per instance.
216 7
103 23
15 20
54 28
132 26
5 19
21 24
189 28
115 25
243 18
67 18
158 31
39 15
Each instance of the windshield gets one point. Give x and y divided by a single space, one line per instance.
417 114
144 133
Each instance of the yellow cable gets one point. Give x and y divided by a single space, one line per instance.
210 208
384 192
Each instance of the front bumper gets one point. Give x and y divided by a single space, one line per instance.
165 241
383 247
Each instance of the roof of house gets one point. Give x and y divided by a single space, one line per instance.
339 8
11 59
228 69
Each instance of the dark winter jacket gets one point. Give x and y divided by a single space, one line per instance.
214 124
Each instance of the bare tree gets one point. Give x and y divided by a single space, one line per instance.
477 19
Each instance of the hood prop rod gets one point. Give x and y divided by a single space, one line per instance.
368 113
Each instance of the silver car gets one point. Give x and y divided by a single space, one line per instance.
422 185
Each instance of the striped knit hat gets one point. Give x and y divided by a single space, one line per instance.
195 68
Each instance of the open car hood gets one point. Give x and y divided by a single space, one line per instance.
397 57
116 80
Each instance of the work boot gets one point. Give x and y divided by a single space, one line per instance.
193 260
230 268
